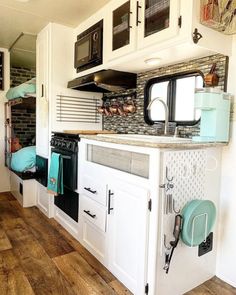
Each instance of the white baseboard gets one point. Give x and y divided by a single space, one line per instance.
65 221
226 280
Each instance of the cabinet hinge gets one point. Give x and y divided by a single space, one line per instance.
146 289
180 21
150 205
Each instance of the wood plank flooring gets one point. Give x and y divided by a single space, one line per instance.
38 257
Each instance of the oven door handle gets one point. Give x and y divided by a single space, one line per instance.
66 157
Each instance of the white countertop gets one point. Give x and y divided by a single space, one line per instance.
152 141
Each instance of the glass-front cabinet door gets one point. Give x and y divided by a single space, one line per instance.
122 28
158 21
157 16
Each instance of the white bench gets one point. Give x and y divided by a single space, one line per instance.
24 190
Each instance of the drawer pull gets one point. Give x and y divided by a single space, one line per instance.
109 201
91 215
137 13
90 190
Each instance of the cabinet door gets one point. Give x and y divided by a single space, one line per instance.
127 235
42 122
120 33
157 21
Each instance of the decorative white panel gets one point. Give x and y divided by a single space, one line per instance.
187 168
77 109
182 179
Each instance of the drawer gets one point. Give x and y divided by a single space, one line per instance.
93 212
94 189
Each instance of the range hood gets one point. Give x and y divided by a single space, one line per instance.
104 81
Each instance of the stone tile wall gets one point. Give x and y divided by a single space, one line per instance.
24 125
134 123
23 120
21 75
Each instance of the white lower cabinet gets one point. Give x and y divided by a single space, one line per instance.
116 233
127 234
23 190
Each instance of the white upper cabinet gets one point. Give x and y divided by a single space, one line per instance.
121 30
157 21
138 24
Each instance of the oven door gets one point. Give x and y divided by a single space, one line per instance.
70 171
83 51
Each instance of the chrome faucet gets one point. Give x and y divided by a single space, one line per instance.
166 111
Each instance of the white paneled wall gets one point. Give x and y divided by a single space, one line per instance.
4 172
227 244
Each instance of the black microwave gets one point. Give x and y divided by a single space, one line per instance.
88 48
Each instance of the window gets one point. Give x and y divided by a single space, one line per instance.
177 91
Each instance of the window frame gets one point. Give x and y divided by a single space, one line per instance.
171 96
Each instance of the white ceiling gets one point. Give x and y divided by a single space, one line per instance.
31 17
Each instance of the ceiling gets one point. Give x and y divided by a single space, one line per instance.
32 16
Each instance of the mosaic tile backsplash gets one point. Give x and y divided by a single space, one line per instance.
134 123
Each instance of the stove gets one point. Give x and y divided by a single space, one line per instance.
67 146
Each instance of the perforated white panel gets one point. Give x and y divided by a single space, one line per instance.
188 171
183 180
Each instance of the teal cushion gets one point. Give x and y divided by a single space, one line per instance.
197 210
20 91
24 159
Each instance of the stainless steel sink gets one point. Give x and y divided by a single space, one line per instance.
147 138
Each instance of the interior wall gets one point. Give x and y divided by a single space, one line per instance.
227 236
4 172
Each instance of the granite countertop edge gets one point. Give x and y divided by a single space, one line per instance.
150 144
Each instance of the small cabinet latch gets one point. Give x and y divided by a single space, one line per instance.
180 21
150 205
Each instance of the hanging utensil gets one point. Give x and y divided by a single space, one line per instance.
176 234
212 79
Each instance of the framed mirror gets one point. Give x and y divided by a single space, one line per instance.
177 91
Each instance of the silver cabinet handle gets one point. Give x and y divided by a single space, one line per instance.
109 201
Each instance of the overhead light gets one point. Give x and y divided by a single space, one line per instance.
152 61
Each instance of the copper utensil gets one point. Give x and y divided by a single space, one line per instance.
114 109
129 107
101 110
212 79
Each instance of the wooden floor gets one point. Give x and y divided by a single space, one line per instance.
37 256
